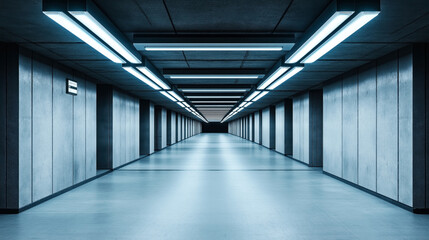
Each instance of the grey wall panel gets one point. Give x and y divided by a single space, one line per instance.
301 118
104 127
116 130
25 127
288 127
169 127
91 129
251 128
12 127
62 165
152 128
79 164
315 128
272 127
387 127
164 127
367 134
350 128
3 101
280 127
42 132
266 127
256 127
332 128
405 130
178 128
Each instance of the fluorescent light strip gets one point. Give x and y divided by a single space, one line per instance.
242 104
251 96
285 77
327 28
196 102
213 96
273 77
213 48
189 110
153 77
260 96
90 22
186 104
355 24
66 22
213 90
176 96
181 104
213 106
140 76
248 104
213 76
168 95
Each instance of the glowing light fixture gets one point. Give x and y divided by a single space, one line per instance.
146 71
66 22
276 74
352 26
327 28
176 96
285 77
140 76
168 95
260 96
213 90
213 48
213 76
181 104
251 96
96 27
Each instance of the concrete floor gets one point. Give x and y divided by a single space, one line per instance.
215 186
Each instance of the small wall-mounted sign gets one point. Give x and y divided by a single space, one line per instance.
71 87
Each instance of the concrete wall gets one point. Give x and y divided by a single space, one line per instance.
280 127
368 127
126 128
171 127
256 126
51 135
265 119
307 128
147 127
160 128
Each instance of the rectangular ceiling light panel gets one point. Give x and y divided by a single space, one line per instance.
327 28
176 96
146 71
91 23
352 26
213 90
213 76
260 96
213 97
285 77
212 48
168 95
276 74
251 96
140 76
66 22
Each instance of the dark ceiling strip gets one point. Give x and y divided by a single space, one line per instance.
281 18
169 16
186 60
244 59
143 12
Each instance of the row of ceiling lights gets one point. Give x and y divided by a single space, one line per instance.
132 62
301 55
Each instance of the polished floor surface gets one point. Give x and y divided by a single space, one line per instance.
215 186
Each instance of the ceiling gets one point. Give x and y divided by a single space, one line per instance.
396 26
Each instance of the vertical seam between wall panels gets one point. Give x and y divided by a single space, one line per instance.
85 127
342 126
52 127
357 126
6 133
73 133
32 118
397 124
376 126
